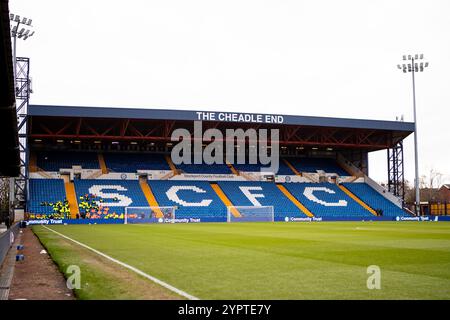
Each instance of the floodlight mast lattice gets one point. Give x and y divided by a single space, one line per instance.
20 29
414 66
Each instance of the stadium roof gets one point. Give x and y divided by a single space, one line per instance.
165 114
131 124
8 122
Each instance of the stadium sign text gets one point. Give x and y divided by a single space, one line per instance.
45 221
422 218
239 117
305 219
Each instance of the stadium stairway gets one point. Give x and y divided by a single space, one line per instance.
225 199
101 161
33 162
150 197
33 167
71 197
297 203
233 170
171 165
292 167
358 200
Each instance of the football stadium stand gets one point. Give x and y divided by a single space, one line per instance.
327 200
43 194
204 168
114 194
131 162
125 160
192 199
313 165
205 201
283 169
252 193
373 199
55 160
105 197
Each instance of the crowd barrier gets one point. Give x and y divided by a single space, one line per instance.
7 239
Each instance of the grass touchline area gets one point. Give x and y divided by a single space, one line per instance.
127 266
326 260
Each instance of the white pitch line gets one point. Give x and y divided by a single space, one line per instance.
142 273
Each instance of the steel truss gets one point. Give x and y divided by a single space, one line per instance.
77 128
396 178
19 185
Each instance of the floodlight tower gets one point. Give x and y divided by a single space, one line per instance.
413 64
24 33
21 29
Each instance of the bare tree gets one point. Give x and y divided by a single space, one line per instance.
430 184
4 198
435 179
410 194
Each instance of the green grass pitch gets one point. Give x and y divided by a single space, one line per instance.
259 260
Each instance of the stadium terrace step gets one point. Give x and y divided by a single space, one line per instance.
33 162
71 198
101 161
43 173
95 175
247 176
150 197
292 167
225 199
311 177
362 203
171 165
297 203
231 168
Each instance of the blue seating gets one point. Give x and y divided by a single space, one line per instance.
45 190
182 194
283 169
204 168
127 192
373 199
311 165
55 160
131 162
327 200
272 196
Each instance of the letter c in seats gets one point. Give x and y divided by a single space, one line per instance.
172 194
309 194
